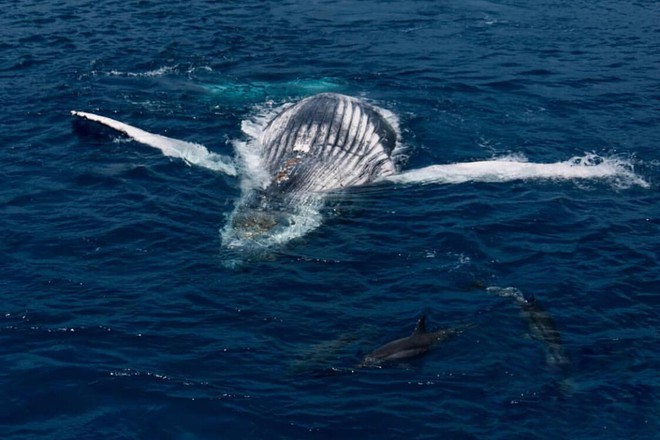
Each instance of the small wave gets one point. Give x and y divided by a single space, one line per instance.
619 172
161 71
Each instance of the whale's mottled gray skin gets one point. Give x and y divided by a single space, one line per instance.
322 143
418 343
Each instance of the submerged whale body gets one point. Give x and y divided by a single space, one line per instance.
322 143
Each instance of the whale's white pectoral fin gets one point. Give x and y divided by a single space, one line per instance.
512 168
191 153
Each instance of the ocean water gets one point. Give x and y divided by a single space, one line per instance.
123 315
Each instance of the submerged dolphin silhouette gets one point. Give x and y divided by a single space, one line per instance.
541 325
417 344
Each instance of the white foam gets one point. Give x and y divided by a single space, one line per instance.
191 153
618 171
249 155
304 217
508 292
161 71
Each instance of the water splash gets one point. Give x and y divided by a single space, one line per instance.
508 292
161 71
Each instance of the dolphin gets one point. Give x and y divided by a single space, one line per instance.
415 345
325 143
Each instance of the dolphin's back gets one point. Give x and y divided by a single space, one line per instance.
328 141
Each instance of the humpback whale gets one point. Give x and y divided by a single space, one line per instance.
324 143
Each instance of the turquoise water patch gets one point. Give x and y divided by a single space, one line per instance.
260 91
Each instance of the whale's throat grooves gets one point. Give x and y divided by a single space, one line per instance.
325 142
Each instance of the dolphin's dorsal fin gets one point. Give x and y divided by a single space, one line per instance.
421 326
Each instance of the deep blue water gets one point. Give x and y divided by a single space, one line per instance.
120 319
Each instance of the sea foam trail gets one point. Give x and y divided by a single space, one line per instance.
589 166
192 153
